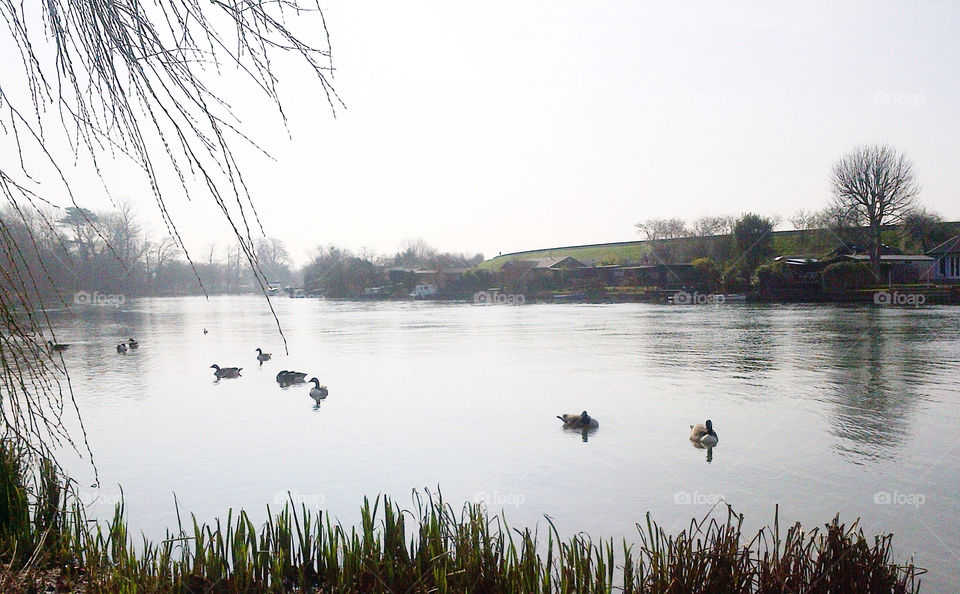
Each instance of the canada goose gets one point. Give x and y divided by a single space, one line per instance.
226 371
285 378
57 348
578 421
133 344
262 356
317 392
122 348
704 434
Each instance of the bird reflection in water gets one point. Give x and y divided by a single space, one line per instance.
700 446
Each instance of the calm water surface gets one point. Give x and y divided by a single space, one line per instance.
820 409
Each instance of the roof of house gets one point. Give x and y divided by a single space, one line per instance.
892 258
948 246
555 263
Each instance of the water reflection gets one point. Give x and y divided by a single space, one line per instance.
585 433
699 446
870 369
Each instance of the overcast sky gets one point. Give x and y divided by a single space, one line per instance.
506 126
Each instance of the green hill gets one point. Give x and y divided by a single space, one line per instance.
718 247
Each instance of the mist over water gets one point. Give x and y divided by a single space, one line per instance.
820 409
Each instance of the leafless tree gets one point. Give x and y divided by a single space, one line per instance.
878 185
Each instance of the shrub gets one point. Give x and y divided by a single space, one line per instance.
848 276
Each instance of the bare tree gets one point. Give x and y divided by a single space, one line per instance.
654 229
879 186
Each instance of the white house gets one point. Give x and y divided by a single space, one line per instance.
947 256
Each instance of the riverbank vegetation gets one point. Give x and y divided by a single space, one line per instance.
48 544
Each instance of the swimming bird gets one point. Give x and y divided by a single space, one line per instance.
133 344
57 348
205 331
581 421
262 356
225 371
285 378
704 434
122 348
317 392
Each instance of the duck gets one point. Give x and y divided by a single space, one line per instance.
225 371
262 356
122 348
704 434
318 392
205 331
285 378
578 421
57 348
133 344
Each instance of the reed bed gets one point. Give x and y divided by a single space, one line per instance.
47 542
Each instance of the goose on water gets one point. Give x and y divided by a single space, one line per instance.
285 378
704 434
578 421
261 356
57 348
317 392
222 372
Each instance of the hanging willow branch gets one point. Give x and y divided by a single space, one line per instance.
105 81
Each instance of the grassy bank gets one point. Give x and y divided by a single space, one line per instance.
46 542
687 249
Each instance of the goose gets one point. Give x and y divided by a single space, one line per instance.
285 378
317 392
122 348
133 344
226 371
704 434
578 421
57 348
262 356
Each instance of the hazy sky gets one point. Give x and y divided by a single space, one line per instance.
507 126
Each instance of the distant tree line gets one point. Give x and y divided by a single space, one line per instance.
76 249
339 272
